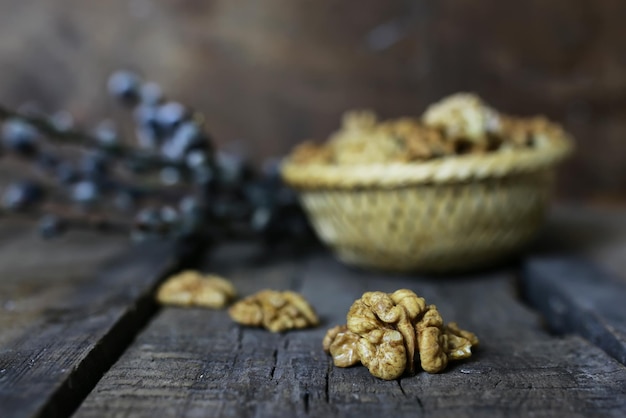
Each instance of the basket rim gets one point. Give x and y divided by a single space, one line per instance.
454 169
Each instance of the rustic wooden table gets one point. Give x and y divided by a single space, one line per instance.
80 333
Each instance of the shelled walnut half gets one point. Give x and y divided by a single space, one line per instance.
192 288
275 311
387 331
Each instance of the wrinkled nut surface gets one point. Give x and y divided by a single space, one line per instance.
456 125
341 344
275 311
192 288
463 115
386 331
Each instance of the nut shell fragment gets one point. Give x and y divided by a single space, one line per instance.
275 311
192 288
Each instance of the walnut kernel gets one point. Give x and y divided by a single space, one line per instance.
341 344
192 288
456 125
390 329
463 115
275 311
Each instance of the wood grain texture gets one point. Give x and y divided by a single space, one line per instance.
597 234
576 296
197 363
69 308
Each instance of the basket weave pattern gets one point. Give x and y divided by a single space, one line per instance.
430 227
440 216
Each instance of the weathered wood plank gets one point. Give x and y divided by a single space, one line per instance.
190 362
576 296
69 315
36 274
597 234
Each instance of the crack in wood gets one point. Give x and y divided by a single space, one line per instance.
401 388
327 383
275 362
131 312
305 402
84 376
239 335
419 402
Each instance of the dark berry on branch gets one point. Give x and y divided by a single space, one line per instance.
171 151
125 200
137 166
147 130
106 134
145 116
85 192
48 162
271 169
259 193
189 135
170 176
203 176
20 137
169 216
51 226
62 121
22 195
147 137
233 169
148 220
94 166
124 86
66 173
196 159
169 115
199 164
186 137
191 215
151 94
261 219
189 205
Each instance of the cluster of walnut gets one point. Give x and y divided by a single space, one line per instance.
192 288
459 124
271 309
386 332
275 311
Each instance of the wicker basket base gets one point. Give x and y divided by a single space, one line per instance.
431 227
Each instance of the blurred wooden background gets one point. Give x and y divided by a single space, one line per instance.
269 73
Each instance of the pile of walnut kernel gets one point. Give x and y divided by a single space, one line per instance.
457 125
274 310
386 332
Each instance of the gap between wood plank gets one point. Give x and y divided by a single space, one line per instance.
577 296
66 399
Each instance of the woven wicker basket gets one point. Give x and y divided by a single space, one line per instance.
452 214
